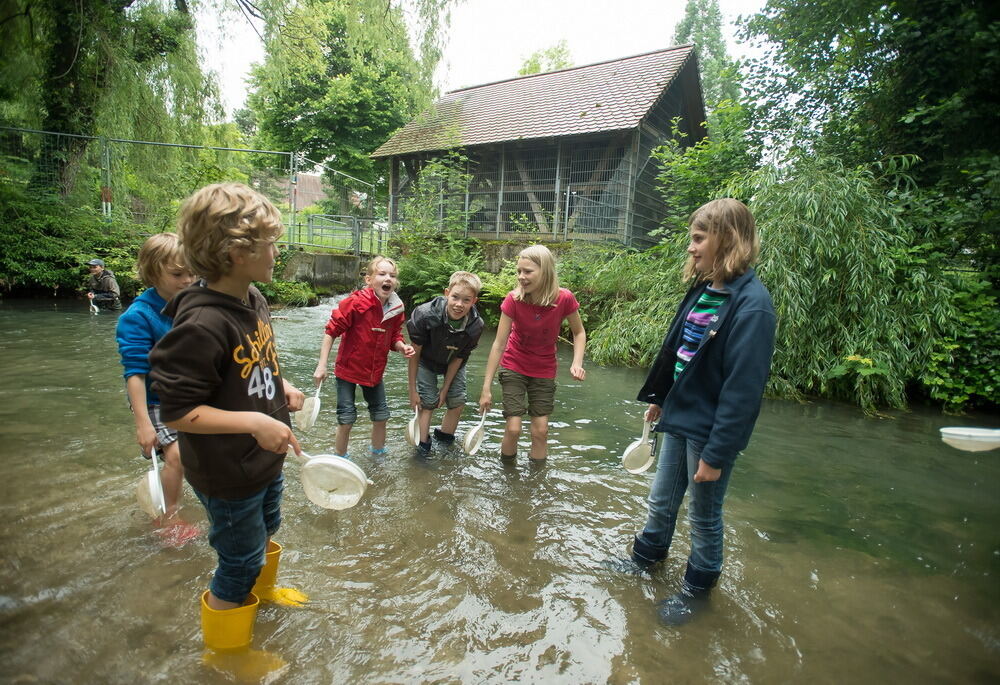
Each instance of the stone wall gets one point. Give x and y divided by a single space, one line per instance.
497 254
335 272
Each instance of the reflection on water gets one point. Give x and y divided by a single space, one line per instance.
857 549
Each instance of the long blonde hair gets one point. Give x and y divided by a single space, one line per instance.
737 244
548 283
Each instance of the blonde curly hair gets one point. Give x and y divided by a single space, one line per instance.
222 217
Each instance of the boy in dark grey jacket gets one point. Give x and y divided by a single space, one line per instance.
443 333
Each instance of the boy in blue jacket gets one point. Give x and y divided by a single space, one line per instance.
443 333
161 267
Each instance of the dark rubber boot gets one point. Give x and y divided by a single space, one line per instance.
645 554
642 560
691 600
446 438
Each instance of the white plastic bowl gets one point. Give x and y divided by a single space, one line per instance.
971 439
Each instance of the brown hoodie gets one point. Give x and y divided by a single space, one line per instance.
220 352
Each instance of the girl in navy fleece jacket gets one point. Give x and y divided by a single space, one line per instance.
704 391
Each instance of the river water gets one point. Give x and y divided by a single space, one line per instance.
858 549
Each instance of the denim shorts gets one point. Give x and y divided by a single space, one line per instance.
427 388
238 533
347 412
521 393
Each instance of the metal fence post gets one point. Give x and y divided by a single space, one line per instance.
293 170
503 165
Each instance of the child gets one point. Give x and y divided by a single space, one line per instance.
370 320
221 386
443 332
102 286
705 390
162 269
530 319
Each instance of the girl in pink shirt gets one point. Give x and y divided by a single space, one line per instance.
531 317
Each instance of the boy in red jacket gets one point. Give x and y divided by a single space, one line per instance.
370 321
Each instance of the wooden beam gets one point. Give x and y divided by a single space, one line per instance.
536 206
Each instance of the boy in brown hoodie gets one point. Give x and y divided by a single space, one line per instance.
221 387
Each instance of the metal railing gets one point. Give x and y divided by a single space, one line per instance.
339 232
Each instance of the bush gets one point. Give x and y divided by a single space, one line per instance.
46 244
291 293
962 370
848 280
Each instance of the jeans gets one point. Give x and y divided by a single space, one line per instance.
347 412
429 391
675 469
238 533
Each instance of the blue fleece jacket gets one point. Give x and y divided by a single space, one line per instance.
139 328
716 398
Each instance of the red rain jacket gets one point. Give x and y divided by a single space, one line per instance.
368 335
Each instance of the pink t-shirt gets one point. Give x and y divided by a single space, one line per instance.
531 347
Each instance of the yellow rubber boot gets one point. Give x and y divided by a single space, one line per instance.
228 628
227 635
268 578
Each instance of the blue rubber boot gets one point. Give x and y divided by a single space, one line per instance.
691 600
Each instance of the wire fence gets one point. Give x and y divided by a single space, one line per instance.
143 182
557 190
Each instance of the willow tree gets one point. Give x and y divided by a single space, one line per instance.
859 309
112 67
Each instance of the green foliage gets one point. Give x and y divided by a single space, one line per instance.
435 206
102 68
337 80
864 80
431 238
424 273
691 175
837 257
962 369
626 298
550 59
47 245
291 293
495 289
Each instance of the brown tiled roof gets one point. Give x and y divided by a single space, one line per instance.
606 96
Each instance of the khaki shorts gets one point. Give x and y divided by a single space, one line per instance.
520 393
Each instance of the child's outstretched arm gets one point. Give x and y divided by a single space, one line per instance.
499 345
576 369
270 433
411 373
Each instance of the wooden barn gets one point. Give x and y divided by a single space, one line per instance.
562 155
